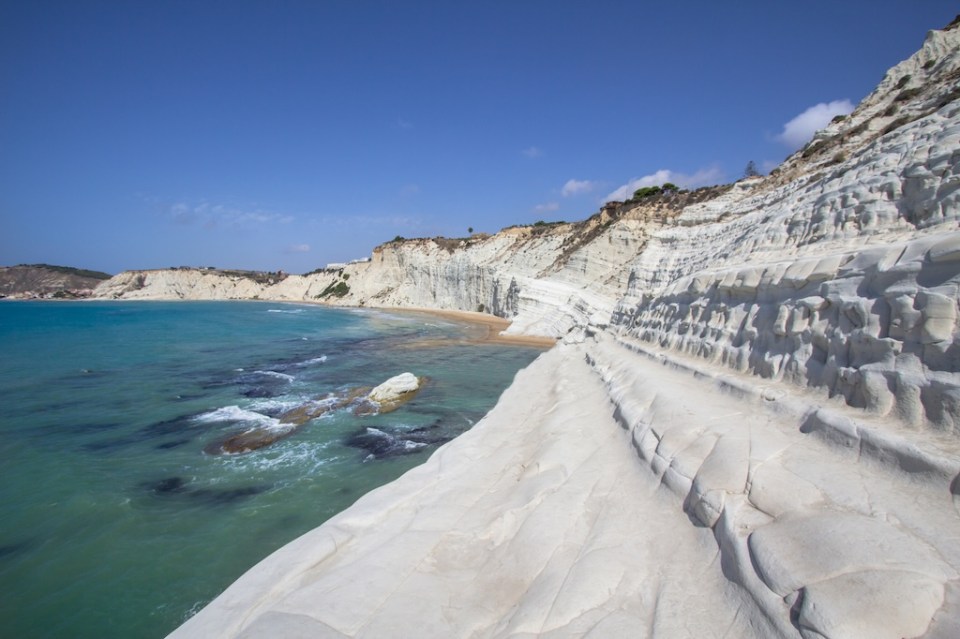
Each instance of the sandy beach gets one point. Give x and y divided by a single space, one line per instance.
485 328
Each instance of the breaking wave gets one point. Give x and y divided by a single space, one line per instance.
306 457
236 414
289 378
311 362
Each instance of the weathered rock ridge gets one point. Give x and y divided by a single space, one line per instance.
45 281
837 272
751 428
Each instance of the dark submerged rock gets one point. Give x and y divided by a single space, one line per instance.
177 425
178 486
184 427
11 550
167 485
174 444
383 444
260 392
226 496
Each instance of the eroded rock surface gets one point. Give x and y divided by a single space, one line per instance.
394 392
751 428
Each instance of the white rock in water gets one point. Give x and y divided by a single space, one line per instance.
395 387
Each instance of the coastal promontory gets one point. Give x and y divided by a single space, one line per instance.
750 426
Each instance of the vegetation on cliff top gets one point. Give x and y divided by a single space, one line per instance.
645 192
668 194
69 270
260 277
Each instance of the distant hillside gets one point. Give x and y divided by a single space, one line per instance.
28 281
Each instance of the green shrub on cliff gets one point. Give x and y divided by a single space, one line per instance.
647 191
338 289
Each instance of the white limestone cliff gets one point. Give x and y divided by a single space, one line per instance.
752 428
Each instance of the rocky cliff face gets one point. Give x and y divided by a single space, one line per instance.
44 281
839 271
846 277
761 380
203 284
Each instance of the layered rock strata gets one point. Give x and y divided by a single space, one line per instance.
638 499
751 428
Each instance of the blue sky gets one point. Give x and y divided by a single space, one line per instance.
289 134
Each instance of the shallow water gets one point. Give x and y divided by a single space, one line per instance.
113 519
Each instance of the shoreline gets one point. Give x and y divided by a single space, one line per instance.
490 327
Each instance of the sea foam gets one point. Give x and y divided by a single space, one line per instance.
289 378
311 362
237 414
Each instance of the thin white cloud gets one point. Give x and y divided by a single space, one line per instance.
703 177
404 124
800 129
532 152
183 213
298 248
212 216
548 207
409 190
576 187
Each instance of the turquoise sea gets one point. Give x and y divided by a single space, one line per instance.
115 522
